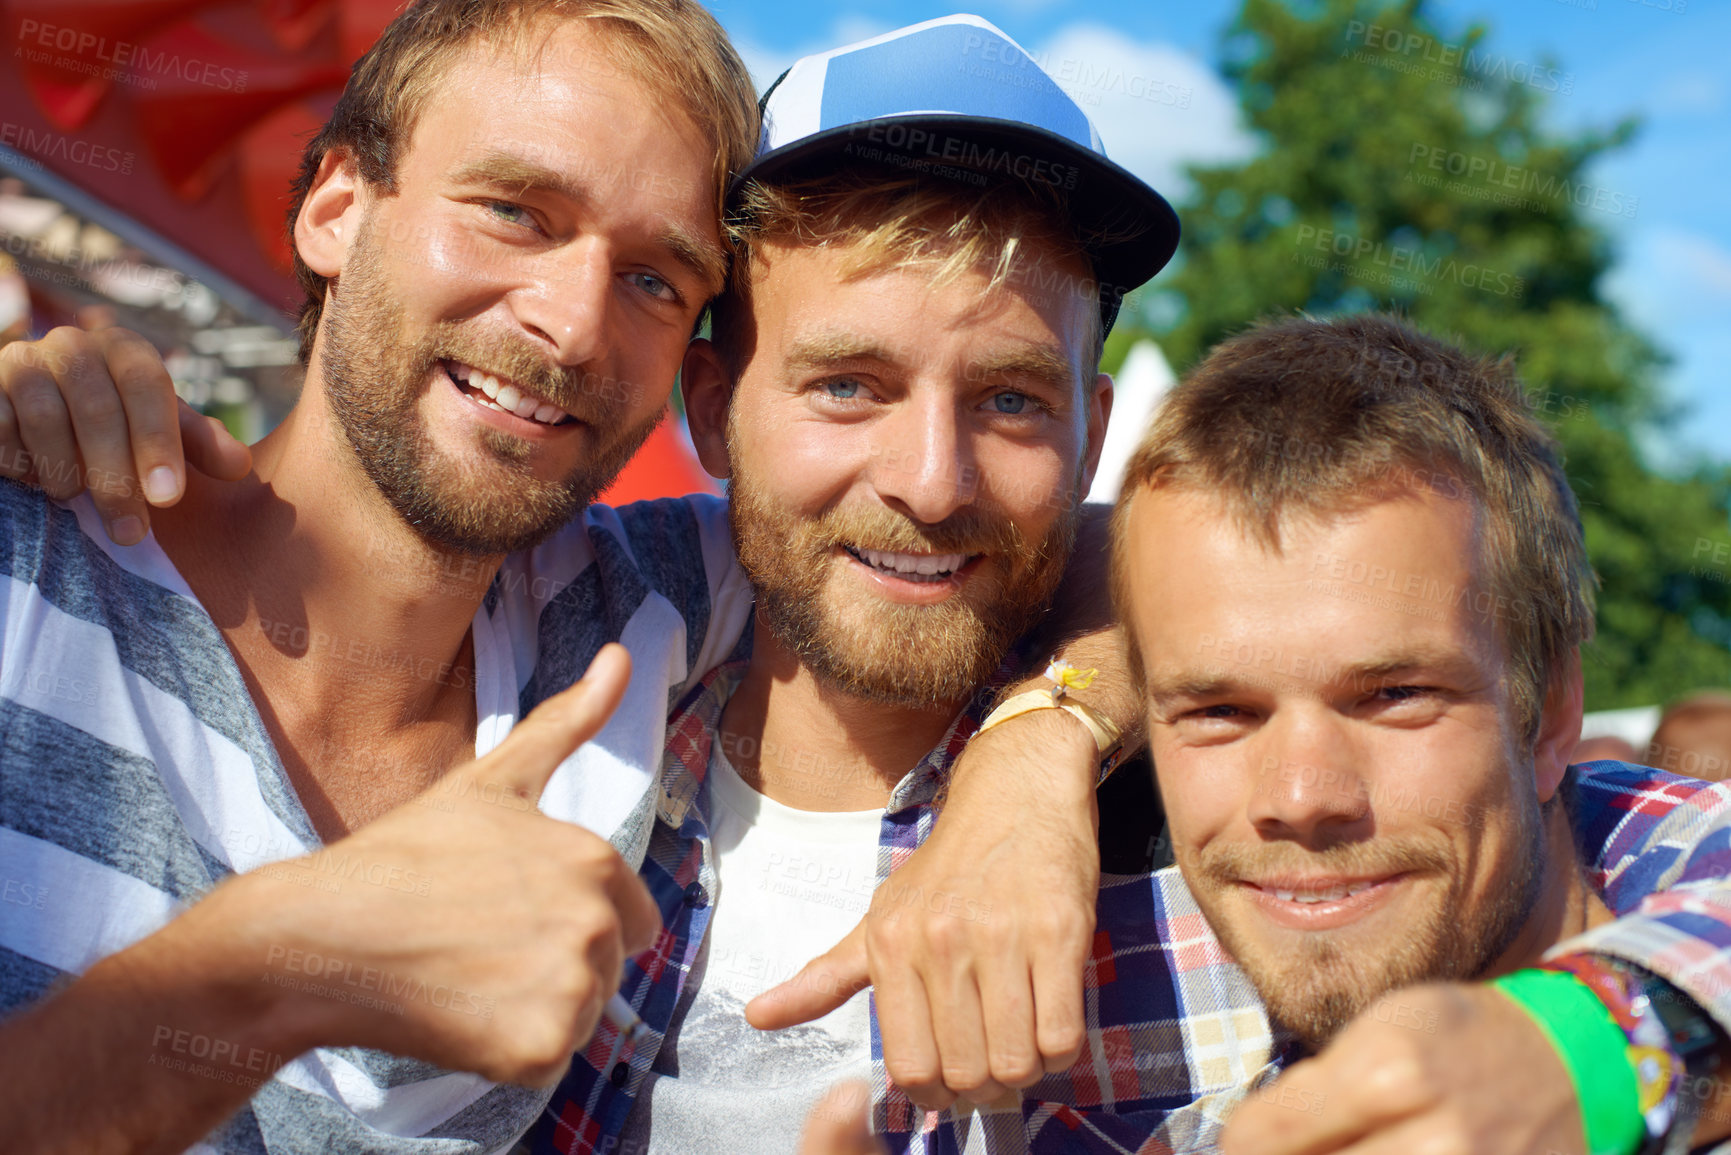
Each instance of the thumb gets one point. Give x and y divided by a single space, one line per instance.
837 1125
825 983
536 746
211 448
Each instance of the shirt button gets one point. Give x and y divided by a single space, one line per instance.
694 895
620 1072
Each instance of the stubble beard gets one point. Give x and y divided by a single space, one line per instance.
1316 988
899 655
374 374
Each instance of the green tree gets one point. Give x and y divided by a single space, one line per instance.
1406 168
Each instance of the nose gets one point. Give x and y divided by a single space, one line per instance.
567 306
1309 787
923 459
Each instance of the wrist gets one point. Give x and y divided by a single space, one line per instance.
222 955
1593 1050
1673 1046
1055 744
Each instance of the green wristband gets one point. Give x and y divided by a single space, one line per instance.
1593 1049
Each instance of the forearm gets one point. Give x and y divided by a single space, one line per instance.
1081 630
148 1050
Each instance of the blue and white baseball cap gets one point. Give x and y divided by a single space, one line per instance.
955 97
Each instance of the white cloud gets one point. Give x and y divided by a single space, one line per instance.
1676 285
1157 106
1691 92
1668 275
766 64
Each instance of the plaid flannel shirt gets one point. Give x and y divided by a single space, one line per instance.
1176 1035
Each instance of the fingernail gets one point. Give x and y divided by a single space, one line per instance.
161 485
126 530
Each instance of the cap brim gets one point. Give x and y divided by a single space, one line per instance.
1129 230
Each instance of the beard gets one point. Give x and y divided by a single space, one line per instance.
1320 985
912 656
374 375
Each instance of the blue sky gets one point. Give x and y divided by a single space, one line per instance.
1661 60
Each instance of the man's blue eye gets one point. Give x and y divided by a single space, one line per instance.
509 213
844 390
1010 403
654 285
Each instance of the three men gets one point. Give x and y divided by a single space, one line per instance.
892 582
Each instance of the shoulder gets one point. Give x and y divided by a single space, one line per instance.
1605 796
1641 828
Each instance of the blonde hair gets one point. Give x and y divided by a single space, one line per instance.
675 46
1323 416
1010 232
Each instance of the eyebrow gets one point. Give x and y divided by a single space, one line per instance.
816 350
1041 362
1380 671
699 255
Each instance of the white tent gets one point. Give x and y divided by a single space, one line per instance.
1138 389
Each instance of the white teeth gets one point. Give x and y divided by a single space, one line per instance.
923 564
1332 894
549 413
489 384
527 406
508 398
460 371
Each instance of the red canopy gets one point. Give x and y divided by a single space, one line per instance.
188 117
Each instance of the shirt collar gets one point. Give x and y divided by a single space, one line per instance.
692 724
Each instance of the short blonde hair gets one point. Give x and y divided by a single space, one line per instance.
675 46
1011 232
1323 416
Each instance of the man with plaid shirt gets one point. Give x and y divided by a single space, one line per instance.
1364 688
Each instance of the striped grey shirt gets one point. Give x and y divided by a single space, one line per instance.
135 772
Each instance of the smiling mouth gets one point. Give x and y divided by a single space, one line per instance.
506 396
929 568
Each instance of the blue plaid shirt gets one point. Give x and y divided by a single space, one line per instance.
1176 1034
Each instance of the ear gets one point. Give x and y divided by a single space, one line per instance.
1099 414
330 215
1559 726
708 391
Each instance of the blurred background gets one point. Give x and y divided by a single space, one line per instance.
1542 178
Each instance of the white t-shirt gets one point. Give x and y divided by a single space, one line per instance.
791 884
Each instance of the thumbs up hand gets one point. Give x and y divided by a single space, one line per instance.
464 928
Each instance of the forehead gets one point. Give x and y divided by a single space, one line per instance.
1398 575
805 296
556 96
